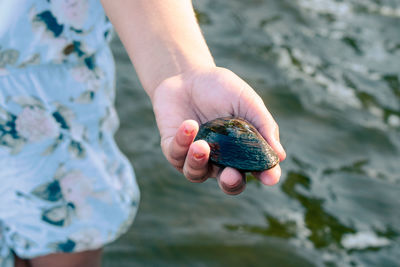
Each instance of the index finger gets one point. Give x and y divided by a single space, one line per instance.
262 119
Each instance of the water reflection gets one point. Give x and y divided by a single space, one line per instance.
328 71
274 228
325 229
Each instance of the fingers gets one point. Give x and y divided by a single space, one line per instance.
269 177
270 130
262 119
179 146
188 157
231 181
274 141
193 160
196 167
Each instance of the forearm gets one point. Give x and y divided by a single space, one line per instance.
161 37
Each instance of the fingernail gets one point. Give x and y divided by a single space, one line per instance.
188 130
199 156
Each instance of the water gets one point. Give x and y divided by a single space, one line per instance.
329 71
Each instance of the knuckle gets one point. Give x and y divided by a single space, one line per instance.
176 163
182 142
196 166
177 154
195 176
176 159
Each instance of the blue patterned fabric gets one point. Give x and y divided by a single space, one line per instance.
65 186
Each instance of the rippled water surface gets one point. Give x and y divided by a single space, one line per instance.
329 71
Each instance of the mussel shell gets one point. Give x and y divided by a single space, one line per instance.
236 143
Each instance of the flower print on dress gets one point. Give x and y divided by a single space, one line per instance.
60 39
74 133
81 74
69 192
75 187
20 241
122 182
70 131
8 57
39 33
124 189
32 124
88 238
84 239
126 193
33 59
91 79
109 123
35 124
6 255
8 134
71 13
46 29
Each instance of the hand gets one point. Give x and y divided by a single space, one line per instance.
197 96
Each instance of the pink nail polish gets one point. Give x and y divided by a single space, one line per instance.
188 131
199 156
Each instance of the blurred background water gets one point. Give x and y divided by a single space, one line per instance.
329 71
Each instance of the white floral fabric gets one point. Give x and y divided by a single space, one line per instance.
66 187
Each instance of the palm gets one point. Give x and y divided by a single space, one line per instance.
202 98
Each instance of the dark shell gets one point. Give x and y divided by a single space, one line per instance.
236 143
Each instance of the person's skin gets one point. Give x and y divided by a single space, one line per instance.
87 258
177 71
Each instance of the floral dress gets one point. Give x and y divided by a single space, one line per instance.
65 186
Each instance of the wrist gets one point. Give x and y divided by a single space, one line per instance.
162 38
180 60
